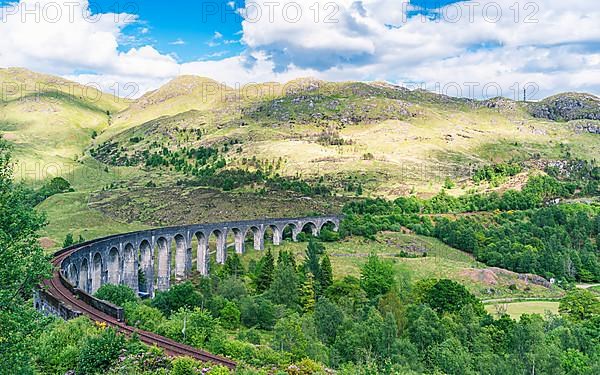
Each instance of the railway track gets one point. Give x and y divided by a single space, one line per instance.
55 287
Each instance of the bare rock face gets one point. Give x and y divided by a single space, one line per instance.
581 127
500 103
567 107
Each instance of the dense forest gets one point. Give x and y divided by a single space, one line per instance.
524 231
555 242
284 317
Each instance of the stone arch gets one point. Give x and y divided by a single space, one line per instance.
182 257
221 237
163 272
146 267
73 274
97 270
239 237
258 238
130 277
84 277
293 228
331 223
277 234
202 254
310 228
268 233
113 266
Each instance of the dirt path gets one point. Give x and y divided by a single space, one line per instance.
517 299
586 286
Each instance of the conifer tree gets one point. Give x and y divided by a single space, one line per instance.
233 266
265 272
286 257
307 296
313 253
325 275
284 288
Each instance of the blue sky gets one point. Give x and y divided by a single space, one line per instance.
185 28
551 45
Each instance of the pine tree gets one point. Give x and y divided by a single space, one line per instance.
68 240
233 266
284 288
325 275
307 297
313 252
287 258
265 272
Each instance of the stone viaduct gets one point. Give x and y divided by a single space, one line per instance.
166 253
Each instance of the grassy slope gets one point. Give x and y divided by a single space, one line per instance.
442 262
516 309
440 137
50 120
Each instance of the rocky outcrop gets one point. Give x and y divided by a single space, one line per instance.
567 107
581 127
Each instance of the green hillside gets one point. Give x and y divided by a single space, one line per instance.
386 139
50 120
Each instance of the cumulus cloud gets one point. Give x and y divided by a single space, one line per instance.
550 44
463 48
64 38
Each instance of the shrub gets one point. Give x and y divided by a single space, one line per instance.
258 311
219 370
230 316
100 352
327 235
179 296
250 335
185 366
143 316
305 367
57 348
116 294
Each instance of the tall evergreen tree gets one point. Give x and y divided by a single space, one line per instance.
286 257
325 275
233 266
314 250
265 272
307 296
284 288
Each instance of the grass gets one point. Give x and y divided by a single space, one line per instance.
594 289
516 309
69 213
442 261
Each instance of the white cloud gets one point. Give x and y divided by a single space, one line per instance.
549 42
77 41
359 40
178 42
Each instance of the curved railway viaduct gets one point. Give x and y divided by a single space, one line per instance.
151 260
